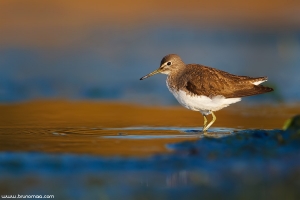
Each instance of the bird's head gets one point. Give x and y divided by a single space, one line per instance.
168 64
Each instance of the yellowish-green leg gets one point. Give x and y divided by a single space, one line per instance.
210 123
205 121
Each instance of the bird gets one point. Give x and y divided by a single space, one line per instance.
206 89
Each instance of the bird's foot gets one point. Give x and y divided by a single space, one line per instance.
205 133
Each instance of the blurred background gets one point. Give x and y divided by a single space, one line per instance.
98 50
95 49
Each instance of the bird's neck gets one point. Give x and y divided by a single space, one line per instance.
173 78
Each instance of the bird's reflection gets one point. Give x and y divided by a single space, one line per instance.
178 179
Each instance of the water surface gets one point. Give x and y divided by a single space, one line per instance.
113 129
90 150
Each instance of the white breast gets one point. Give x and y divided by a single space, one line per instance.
202 103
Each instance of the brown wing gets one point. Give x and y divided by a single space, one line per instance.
202 80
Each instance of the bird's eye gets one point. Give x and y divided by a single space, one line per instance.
169 63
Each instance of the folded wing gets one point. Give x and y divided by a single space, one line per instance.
212 82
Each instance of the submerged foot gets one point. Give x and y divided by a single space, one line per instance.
205 133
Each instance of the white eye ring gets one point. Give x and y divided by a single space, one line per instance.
169 63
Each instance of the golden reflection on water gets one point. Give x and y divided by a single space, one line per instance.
79 127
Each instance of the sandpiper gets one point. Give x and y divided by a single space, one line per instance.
206 89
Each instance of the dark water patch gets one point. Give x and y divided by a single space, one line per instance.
253 143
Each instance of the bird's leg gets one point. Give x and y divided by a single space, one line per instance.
205 122
210 123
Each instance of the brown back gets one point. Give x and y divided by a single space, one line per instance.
201 80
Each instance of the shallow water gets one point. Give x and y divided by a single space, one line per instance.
90 150
119 129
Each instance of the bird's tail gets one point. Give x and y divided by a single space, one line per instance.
259 80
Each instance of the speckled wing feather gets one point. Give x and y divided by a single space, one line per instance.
201 80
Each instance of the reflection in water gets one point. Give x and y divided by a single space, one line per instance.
178 178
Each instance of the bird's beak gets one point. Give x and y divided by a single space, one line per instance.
151 74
